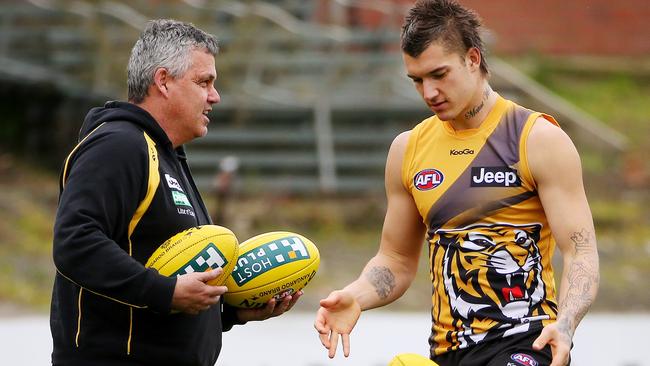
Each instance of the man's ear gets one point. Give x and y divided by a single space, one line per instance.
160 79
473 58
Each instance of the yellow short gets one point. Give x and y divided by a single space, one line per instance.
411 359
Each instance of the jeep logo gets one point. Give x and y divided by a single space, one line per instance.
499 176
461 152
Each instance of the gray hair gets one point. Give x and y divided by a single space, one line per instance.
164 43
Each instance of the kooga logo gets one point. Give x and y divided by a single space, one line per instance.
495 176
461 152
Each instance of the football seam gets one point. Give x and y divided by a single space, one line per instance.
188 247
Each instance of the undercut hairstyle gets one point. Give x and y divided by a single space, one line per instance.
164 43
455 27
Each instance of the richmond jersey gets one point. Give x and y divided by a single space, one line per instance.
490 246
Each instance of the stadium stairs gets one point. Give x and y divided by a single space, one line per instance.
306 106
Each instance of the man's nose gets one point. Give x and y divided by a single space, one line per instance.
213 96
429 90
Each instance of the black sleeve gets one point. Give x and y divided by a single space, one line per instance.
229 317
107 180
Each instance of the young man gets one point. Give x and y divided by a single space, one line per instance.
494 187
125 189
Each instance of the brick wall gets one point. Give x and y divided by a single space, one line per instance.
581 27
565 27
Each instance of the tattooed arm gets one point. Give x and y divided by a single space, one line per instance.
555 165
389 273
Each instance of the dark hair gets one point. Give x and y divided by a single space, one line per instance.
445 21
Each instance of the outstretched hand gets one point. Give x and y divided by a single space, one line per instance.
337 315
192 294
560 341
272 309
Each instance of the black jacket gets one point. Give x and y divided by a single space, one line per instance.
107 308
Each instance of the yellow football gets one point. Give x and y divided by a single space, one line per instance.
271 265
198 249
411 359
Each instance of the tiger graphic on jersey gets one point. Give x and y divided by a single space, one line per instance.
492 276
490 243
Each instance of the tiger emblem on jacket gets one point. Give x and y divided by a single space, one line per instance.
493 279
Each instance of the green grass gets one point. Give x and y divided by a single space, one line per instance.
620 100
618 97
28 200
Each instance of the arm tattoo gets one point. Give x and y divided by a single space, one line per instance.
582 281
382 279
582 240
565 329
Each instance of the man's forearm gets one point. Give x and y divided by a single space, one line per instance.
380 283
382 279
581 278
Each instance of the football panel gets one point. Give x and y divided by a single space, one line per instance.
267 257
215 249
183 240
196 250
259 296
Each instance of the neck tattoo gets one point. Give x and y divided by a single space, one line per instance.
474 111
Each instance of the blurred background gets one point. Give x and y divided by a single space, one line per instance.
313 92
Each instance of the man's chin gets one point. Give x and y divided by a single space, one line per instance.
444 115
202 131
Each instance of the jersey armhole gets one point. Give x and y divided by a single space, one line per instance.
527 175
407 162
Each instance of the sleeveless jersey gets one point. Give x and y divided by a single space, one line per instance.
490 246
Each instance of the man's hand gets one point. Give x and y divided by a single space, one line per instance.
192 294
559 338
272 309
337 315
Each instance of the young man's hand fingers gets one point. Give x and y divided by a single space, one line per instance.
345 339
334 342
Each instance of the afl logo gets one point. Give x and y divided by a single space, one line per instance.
428 179
524 359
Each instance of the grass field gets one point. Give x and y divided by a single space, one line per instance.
28 201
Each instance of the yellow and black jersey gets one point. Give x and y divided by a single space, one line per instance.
490 246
